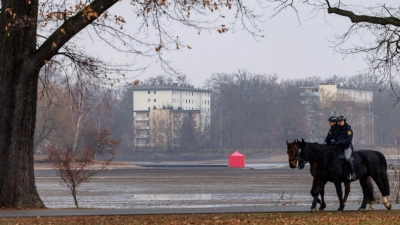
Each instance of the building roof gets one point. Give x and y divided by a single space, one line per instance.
174 86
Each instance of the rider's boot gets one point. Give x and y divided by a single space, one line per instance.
352 175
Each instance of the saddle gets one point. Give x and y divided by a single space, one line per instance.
354 157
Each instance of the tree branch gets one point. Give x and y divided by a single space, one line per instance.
363 18
71 27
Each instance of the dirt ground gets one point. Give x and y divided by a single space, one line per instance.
371 217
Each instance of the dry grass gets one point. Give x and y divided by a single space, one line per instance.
370 217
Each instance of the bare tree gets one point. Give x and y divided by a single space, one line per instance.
76 167
373 32
37 34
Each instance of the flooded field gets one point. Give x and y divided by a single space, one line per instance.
211 186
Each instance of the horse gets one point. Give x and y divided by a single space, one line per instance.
293 153
331 168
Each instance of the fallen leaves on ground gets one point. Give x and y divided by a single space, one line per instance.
369 217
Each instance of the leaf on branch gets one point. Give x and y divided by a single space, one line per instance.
62 30
189 47
136 82
54 45
158 48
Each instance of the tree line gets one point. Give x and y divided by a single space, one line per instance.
248 111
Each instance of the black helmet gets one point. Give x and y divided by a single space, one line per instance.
333 119
339 118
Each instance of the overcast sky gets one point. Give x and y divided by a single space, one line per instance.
289 49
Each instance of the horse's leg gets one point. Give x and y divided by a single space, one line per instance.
346 191
316 193
370 194
364 185
339 192
382 182
323 205
313 187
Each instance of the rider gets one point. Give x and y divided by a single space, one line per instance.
332 130
343 141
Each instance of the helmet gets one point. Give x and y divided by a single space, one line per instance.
341 118
332 119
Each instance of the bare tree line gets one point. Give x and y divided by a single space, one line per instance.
248 111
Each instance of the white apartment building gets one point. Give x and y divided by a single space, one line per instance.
178 99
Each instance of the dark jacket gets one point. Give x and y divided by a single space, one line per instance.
344 137
332 133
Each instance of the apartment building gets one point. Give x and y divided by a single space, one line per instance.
162 109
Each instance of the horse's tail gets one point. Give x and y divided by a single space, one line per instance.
384 174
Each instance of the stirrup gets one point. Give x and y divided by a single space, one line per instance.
352 176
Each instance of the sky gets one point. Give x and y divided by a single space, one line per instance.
290 49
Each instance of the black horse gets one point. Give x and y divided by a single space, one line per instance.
331 168
293 151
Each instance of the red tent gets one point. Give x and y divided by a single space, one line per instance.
236 160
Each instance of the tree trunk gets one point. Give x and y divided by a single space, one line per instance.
18 92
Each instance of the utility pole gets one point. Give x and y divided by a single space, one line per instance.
220 129
369 125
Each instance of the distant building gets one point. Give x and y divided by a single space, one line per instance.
320 101
159 111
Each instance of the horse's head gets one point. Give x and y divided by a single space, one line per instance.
293 153
304 155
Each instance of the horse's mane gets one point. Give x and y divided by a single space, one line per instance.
318 146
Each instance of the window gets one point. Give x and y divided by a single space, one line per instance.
148 109
148 92
148 100
155 92
154 100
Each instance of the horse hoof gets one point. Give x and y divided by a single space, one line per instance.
371 208
313 210
361 209
386 203
321 210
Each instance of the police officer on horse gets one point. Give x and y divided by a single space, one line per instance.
332 130
342 140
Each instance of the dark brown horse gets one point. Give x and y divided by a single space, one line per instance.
368 163
293 151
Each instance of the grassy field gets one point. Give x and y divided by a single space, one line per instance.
350 217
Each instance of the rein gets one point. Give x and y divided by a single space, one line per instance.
294 159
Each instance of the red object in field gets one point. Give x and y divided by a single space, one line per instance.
236 160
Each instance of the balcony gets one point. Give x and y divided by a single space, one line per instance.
309 94
142 127
142 118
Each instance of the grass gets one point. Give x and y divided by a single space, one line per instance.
349 217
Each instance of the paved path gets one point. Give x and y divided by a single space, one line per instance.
206 210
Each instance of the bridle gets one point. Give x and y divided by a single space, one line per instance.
297 156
